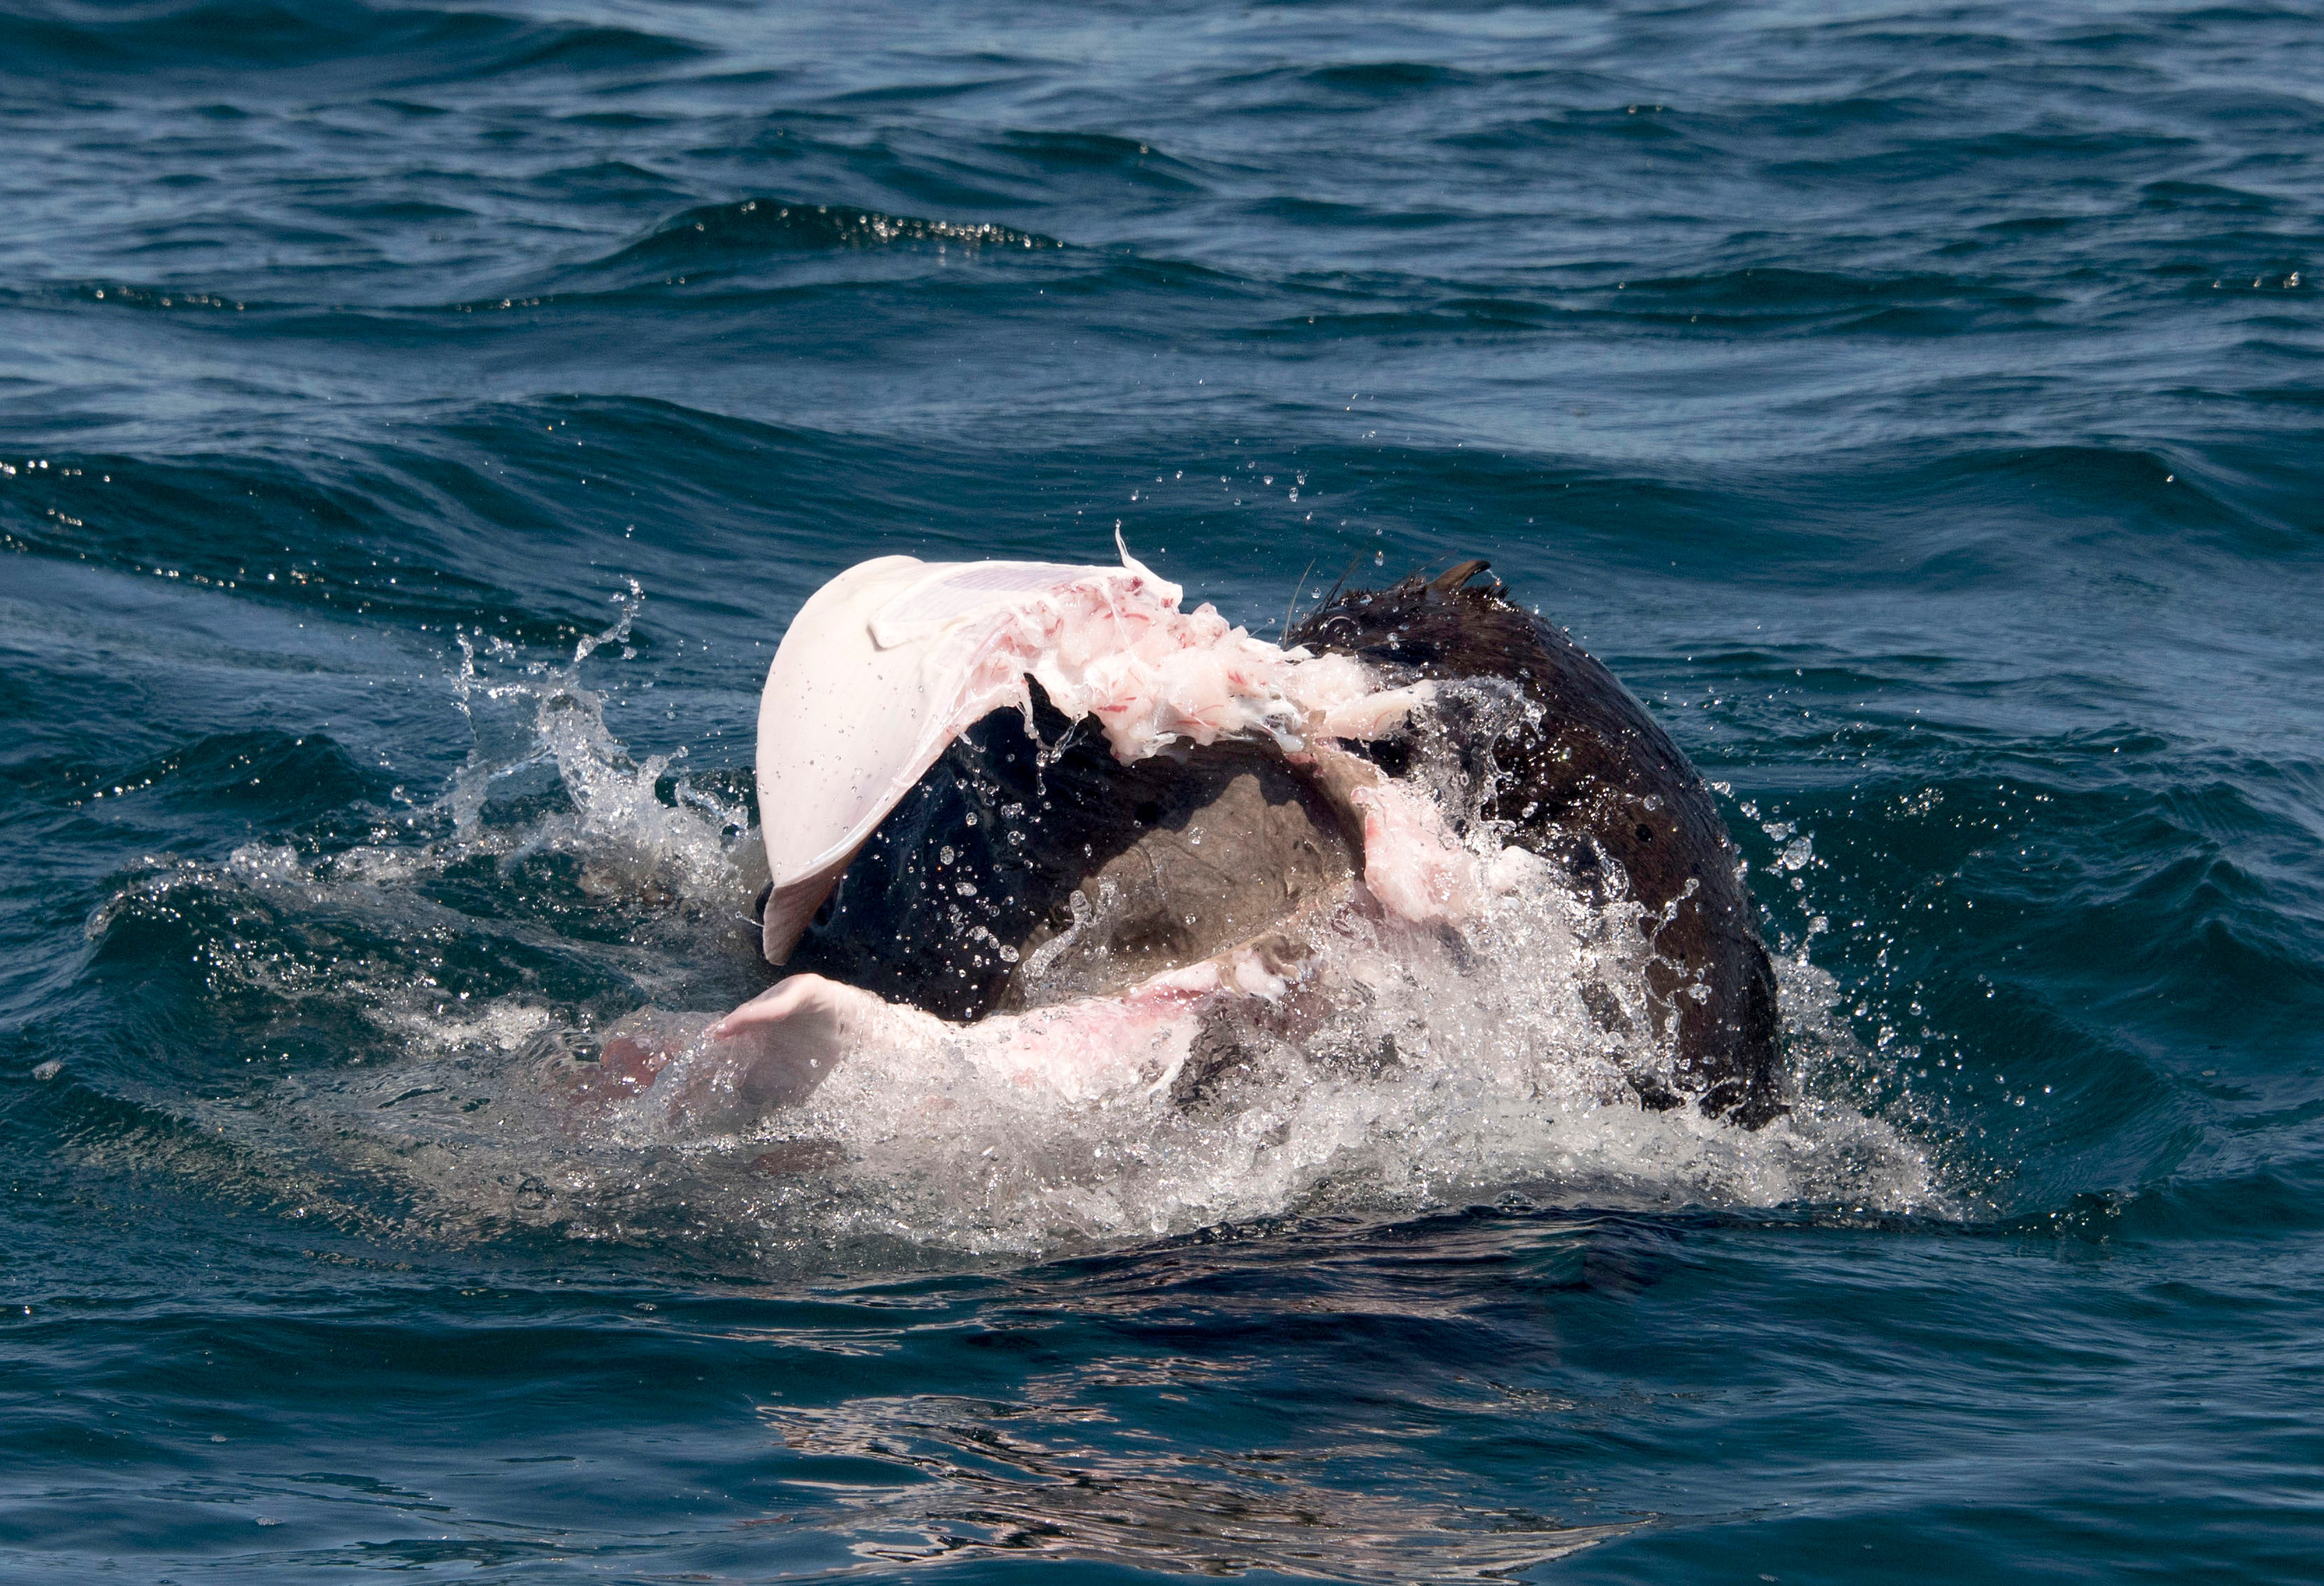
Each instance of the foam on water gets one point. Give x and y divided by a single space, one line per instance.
1418 1067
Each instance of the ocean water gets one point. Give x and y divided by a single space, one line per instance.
417 427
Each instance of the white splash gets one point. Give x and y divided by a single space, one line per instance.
1407 1065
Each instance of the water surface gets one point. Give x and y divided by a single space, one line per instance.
418 426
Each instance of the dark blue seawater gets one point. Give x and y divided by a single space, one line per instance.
1923 409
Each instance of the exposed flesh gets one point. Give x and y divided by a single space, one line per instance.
1233 865
891 661
1258 829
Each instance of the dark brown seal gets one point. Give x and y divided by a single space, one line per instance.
1590 782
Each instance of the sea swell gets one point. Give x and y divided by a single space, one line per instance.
423 424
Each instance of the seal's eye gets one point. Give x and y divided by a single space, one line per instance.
1646 832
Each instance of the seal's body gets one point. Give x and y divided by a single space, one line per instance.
1590 782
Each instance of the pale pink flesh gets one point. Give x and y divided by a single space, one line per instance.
891 661
784 1041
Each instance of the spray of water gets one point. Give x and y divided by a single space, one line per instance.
1409 1069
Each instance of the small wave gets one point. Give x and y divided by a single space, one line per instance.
584 49
1322 212
717 240
605 179
130 295
1076 154
2099 494
1725 304
267 775
1630 123
2042 955
231 524
393 44
1388 77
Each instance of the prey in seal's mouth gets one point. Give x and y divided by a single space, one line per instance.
1030 867
1093 844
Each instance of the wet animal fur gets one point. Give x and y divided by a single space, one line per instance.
1595 784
